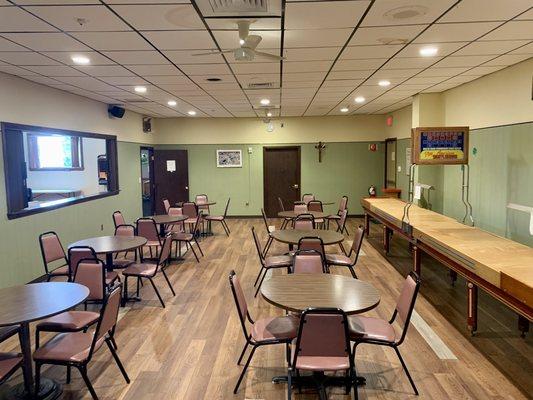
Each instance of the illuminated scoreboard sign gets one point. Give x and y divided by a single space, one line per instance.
442 145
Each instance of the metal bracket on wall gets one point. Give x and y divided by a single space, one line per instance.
465 169
406 223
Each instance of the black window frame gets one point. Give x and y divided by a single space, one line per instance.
15 170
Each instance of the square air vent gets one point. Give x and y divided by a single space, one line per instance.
239 8
260 85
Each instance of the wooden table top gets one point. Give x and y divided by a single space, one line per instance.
168 219
297 292
293 236
27 303
324 203
208 203
293 214
111 244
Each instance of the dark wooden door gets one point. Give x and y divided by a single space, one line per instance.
171 177
281 175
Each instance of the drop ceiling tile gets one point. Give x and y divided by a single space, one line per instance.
414 62
483 70
136 57
157 69
208 86
65 57
425 80
340 83
385 35
53 2
230 39
506 59
306 66
438 72
303 76
160 16
115 41
459 32
188 57
14 70
461 79
26 58
229 24
86 83
441 87
444 49
527 49
301 85
350 74
254 68
513 30
316 38
46 41
55 70
396 73
104 70
180 40
405 12
88 18
526 15
367 52
43 80
311 54
350 65
490 47
206 69
6 45
123 80
324 15
462 61
258 78
480 10
14 19
165 80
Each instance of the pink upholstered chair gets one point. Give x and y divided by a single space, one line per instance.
269 230
191 210
345 260
220 218
312 243
91 273
118 219
166 205
147 228
307 262
262 332
270 262
54 257
76 349
341 222
316 205
307 197
304 222
300 208
188 239
343 204
78 253
323 344
367 330
176 227
200 200
122 260
148 271
9 362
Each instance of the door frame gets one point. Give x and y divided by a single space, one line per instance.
151 168
299 172
387 141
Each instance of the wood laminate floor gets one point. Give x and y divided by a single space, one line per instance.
189 349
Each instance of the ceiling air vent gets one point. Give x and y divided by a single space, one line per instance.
260 85
239 8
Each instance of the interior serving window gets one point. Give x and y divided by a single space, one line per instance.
50 168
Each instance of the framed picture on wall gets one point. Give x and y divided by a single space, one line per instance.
229 158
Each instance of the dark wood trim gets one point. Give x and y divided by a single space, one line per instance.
267 148
387 141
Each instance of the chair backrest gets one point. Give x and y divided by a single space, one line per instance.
108 317
307 262
281 206
357 242
164 254
51 249
342 220
307 197
312 243
201 199
180 226
406 301
300 208
91 273
147 228
189 209
118 219
227 206
240 300
323 333
78 253
304 222
343 203
125 230
258 247
166 204
265 220
315 205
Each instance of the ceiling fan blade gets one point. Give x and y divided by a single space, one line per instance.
268 55
252 41
213 52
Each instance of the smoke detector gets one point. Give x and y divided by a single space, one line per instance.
405 13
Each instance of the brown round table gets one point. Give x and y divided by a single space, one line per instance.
297 292
293 236
111 244
208 203
324 203
165 219
293 214
20 305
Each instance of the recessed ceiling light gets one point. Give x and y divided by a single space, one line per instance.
269 114
384 83
81 60
140 89
265 102
360 99
344 109
428 51
172 103
241 41
191 113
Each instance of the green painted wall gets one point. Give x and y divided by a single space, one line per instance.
21 258
346 169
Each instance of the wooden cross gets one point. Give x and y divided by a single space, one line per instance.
320 146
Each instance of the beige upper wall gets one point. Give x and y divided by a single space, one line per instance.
29 103
252 130
401 123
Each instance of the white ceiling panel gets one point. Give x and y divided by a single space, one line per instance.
230 39
462 61
14 19
87 83
55 70
404 12
324 15
316 37
26 58
526 15
180 40
46 41
301 85
104 70
385 34
527 49
481 10
113 41
206 69
367 52
136 57
311 54
443 49
306 66
7 45
350 74
483 70
14 70
303 76
160 16
513 30
54 2
437 72
65 57
490 47
230 24
123 80
255 68
508 59
456 32
396 73
163 69
414 62
350 65
189 57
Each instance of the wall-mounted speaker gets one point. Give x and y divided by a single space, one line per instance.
147 125
116 111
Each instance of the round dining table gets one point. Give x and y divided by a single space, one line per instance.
20 305
165 219
293 214
109 245
324 203
293 236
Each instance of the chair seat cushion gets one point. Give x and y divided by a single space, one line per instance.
319 220
8 362
338 259
70 347
142 269
182 236
8 331
121 262
69 321
333 216
275 328
319 363
214 218
153 243
110 277
278 261
60 271
362 328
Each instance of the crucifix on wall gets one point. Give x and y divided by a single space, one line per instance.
320 146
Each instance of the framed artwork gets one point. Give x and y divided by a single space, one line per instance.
440 145
229 158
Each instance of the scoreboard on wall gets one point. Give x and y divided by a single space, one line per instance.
440 145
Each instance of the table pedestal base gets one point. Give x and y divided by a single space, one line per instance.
49 390
313 380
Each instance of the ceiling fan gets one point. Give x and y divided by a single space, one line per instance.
249 43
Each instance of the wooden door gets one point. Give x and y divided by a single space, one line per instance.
281 177
390 163
171 177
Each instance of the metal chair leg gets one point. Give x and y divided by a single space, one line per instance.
244 370
267 246
259 275
199 248
406 370
117 360
260 282
37 377
83 372
352 272
168 281
157 292
243 352
289 383
195 256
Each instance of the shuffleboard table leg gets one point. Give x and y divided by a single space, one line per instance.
386 238
453 277
416 259
367 224
523 325
472 307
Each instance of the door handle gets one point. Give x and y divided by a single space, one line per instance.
295 186
186 187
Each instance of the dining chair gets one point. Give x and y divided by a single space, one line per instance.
307 262
341 222
200 200
300 208
147 228
304 222
220 218
10 362
286 220
124 261
76 349
345 260
149 271
269 230
368 330
268 263
54 258
188 238
307 197
261 332
78 253
312 243
191 210
343 204
91 273
166 205
322 344
118 219
316 205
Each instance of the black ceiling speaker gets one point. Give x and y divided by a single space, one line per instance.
116 111
147 125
